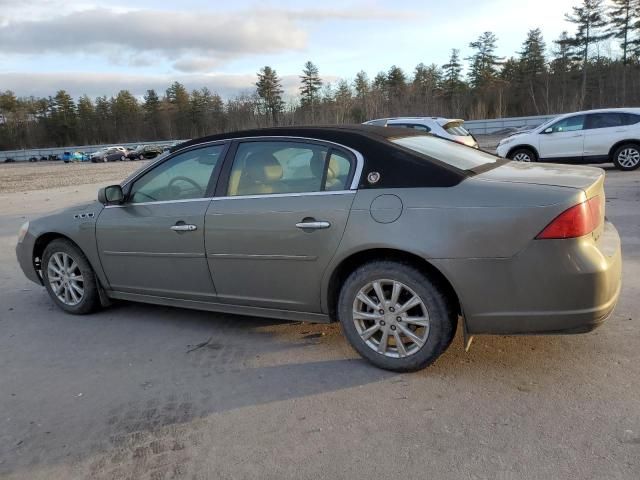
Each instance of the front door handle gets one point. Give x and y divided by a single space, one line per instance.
314 225
183 228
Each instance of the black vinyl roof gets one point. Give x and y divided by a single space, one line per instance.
398 167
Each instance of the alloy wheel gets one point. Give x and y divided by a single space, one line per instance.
629 157
522 157
65 278
391 318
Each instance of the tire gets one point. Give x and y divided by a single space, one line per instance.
523 155
436 334
89 299
627 157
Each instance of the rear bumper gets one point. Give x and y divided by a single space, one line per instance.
552 287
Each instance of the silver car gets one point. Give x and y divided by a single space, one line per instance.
449 128
398 235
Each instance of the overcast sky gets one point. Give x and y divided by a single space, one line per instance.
101 47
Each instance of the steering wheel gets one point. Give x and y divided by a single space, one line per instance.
188 180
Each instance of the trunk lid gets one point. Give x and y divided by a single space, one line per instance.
588 179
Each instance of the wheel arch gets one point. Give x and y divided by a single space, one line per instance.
524 145
617 145
357 259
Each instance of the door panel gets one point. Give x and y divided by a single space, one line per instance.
565 141
602 131
258 256
153 243
141 253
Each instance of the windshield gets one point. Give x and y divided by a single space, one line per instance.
446 151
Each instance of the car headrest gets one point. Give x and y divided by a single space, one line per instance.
262 167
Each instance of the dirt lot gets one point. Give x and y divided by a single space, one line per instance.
144 392
23 176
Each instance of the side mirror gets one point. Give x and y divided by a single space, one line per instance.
111 195
548 130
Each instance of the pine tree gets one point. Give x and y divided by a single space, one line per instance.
532 64
484 62
270 92
396 82
621 22
310 87
590 20
452 81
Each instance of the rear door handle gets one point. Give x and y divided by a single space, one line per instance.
313 225
183 228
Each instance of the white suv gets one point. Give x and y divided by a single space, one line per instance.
594 136
450 128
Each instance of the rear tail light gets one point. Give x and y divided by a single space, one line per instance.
576 221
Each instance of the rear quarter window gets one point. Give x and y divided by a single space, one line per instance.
447 151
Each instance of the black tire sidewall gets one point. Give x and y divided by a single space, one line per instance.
617 152
91 297
442 320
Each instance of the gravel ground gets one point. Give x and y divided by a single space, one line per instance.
25 176
145 392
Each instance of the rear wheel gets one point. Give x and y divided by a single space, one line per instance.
141 157
395 316
627 157
69 278
523 155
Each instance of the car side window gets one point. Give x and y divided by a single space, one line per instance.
415 126
604 120
262 168
182 177
630 118
570 124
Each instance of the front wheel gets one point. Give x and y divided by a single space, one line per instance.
69 278
627 157
395 316
523 155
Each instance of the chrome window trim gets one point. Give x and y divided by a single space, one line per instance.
354 182
284 195
238 197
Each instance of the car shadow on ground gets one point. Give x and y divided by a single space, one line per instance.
168 367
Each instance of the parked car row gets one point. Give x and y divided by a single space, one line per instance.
592 136
112 154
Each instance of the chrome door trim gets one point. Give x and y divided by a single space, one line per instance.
253 256
161 202
281 195
154 254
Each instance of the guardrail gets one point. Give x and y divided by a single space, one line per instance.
38 153
501 125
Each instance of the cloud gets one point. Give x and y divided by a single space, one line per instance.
98 84
192 41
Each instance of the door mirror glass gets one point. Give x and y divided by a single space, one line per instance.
111 195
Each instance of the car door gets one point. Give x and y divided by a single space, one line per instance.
564 140
153 243
602 131
277 220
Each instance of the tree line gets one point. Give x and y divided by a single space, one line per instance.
577 71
